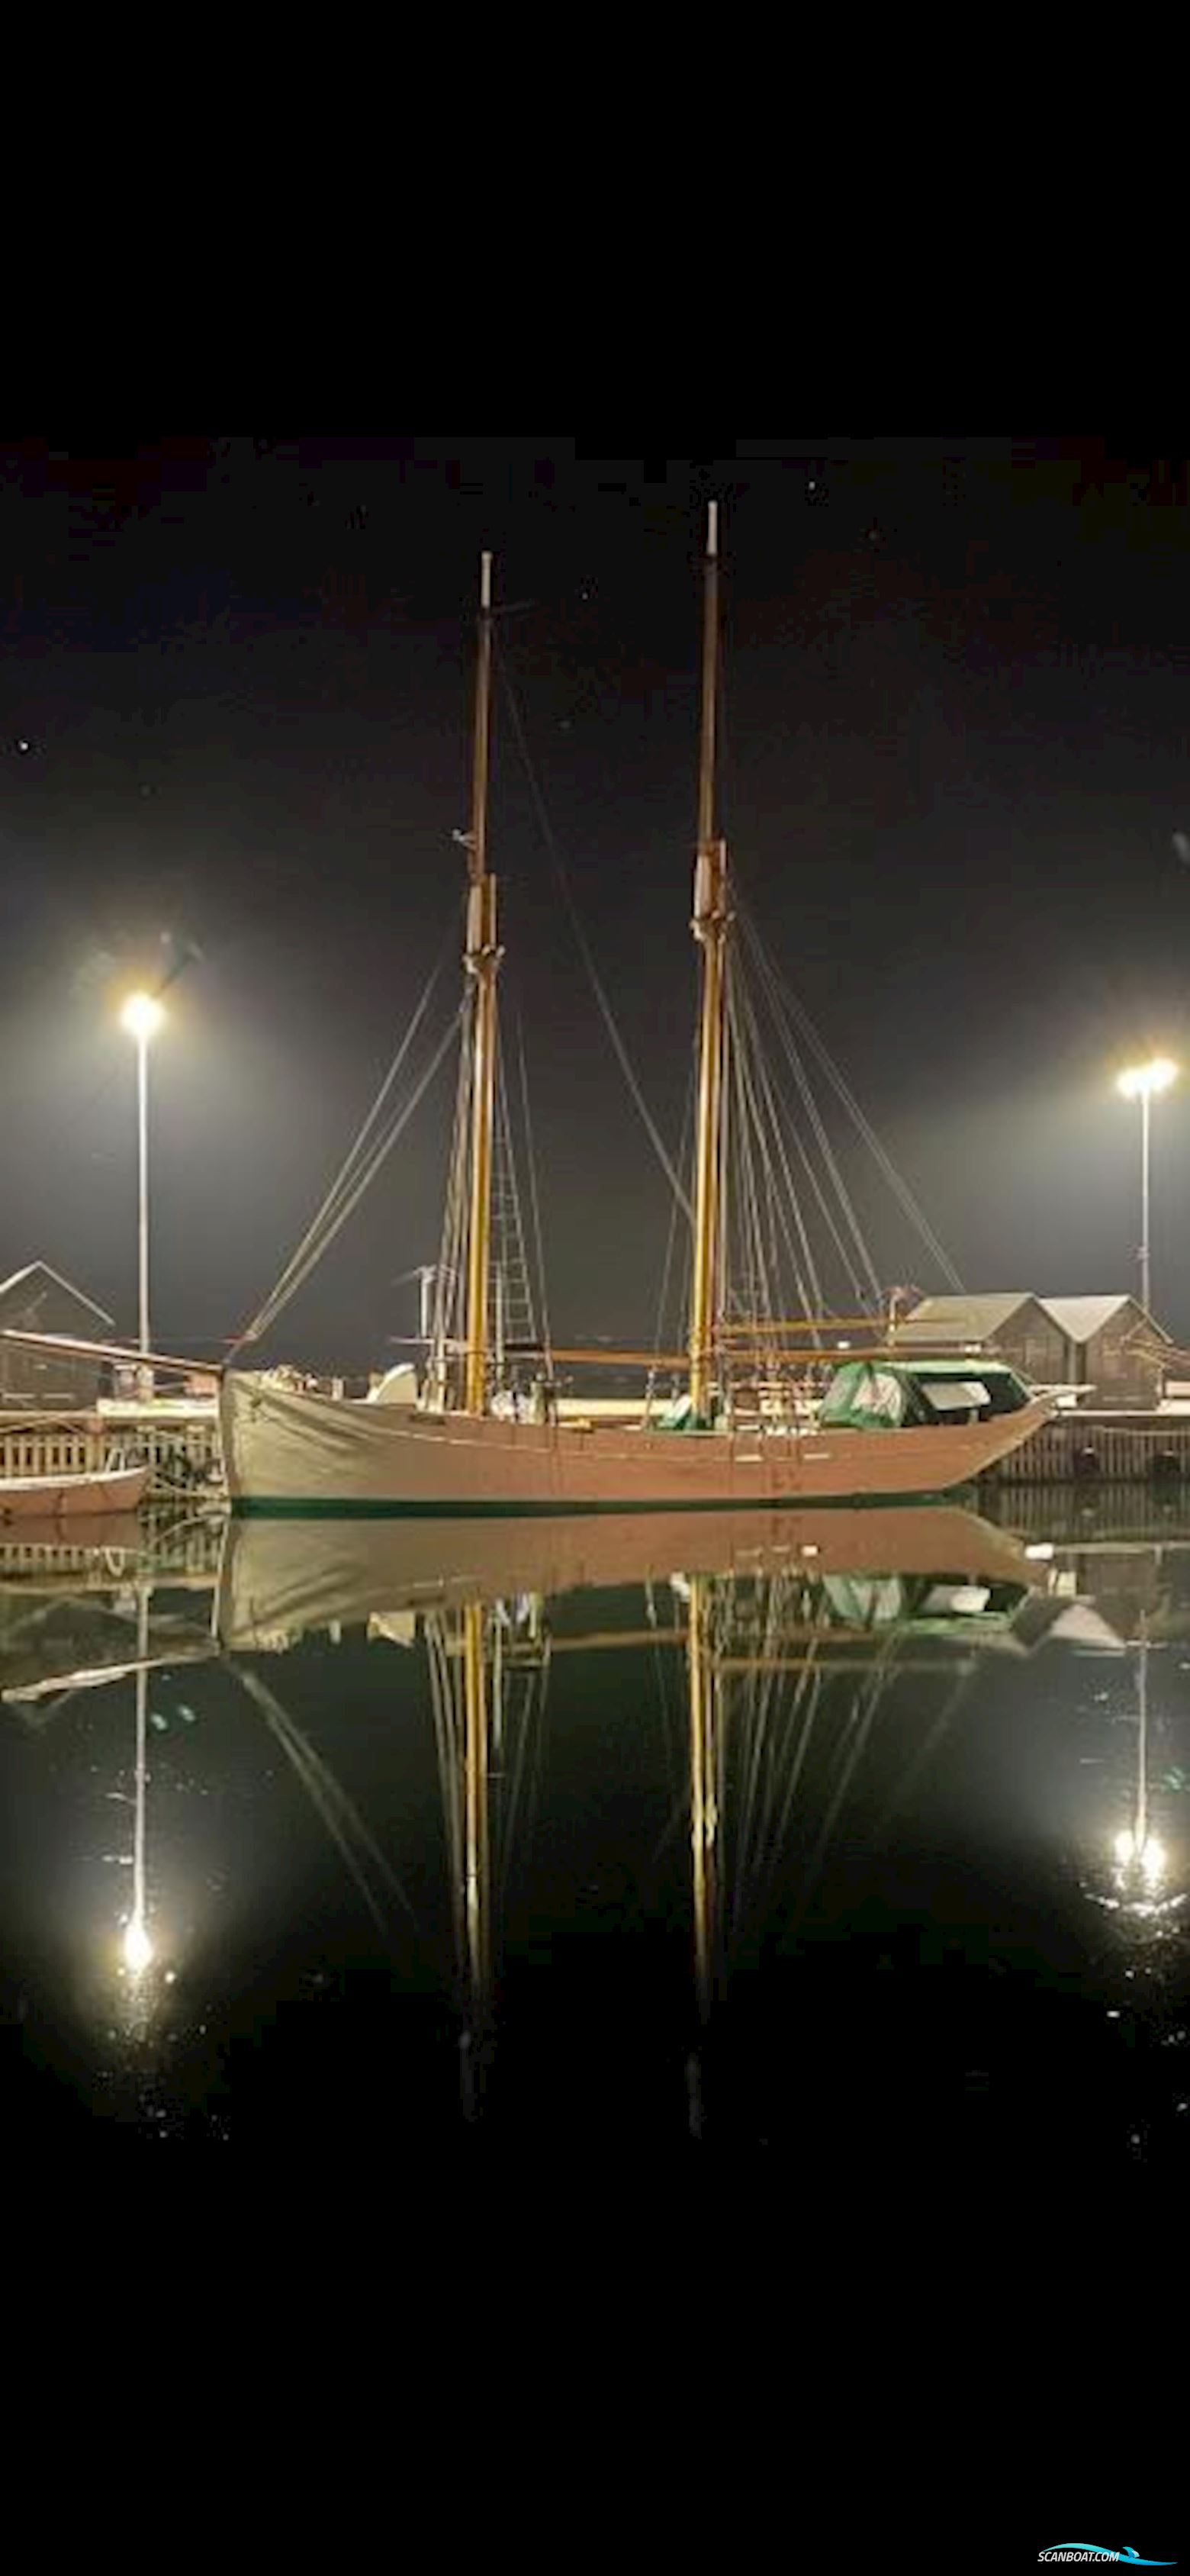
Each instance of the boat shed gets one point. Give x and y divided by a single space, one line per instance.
1107 1344
38 1300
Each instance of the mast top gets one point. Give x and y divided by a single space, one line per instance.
485 580
712 530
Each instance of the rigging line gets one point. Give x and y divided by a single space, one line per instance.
813 1299
895 1179
865 1707
814 1116
337 1812
918 1763
830 1161
448 1739
752 1729
753 1071
448 1282
534 1197
652 1130
373 1114
771 1706
523 1773
883 1159
508 1218
281 1296
674 1211
753 1284
345 1172
805 1704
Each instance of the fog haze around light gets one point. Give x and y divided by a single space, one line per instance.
234 719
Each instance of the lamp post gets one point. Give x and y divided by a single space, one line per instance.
142 1016
1142 1082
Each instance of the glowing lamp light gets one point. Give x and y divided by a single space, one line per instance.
138 1949
1152 1861
1143 1081
1148 1856
142 1016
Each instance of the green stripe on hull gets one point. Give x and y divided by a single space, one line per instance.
289 1507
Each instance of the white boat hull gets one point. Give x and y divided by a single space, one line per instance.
71 1498
288 1452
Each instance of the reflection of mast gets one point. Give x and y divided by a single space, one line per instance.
704 1791
478 1657
705 1803
477 1876
764 1675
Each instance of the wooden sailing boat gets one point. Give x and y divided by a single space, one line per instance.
883 1431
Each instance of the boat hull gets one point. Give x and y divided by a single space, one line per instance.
285 1452
71 1498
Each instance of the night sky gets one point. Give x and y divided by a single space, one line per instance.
234 719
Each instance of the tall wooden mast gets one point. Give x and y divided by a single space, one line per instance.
710 925
482 960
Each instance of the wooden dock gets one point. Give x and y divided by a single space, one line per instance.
1102 1448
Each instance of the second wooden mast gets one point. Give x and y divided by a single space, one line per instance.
482 961
710 926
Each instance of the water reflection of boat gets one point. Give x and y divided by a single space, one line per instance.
799 1603
179 1550
280 1578
748 1764
71 1610
52 1646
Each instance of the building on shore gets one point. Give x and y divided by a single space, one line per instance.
38 1300
1107 1344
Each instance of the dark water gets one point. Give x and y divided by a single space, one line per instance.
802 1846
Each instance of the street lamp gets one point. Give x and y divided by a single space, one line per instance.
1142 1082
142 1016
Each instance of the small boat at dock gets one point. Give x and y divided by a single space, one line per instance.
82 1497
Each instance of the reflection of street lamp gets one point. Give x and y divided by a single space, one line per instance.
138 1949
1141 1082
1140 1858
142 1016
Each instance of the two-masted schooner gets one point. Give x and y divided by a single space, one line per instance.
884 1427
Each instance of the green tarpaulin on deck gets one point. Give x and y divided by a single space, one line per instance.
863 1397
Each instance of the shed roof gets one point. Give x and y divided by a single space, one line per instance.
1080 1318
976 1318
967 1319
31 1269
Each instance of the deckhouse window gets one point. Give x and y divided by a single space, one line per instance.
956 1395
